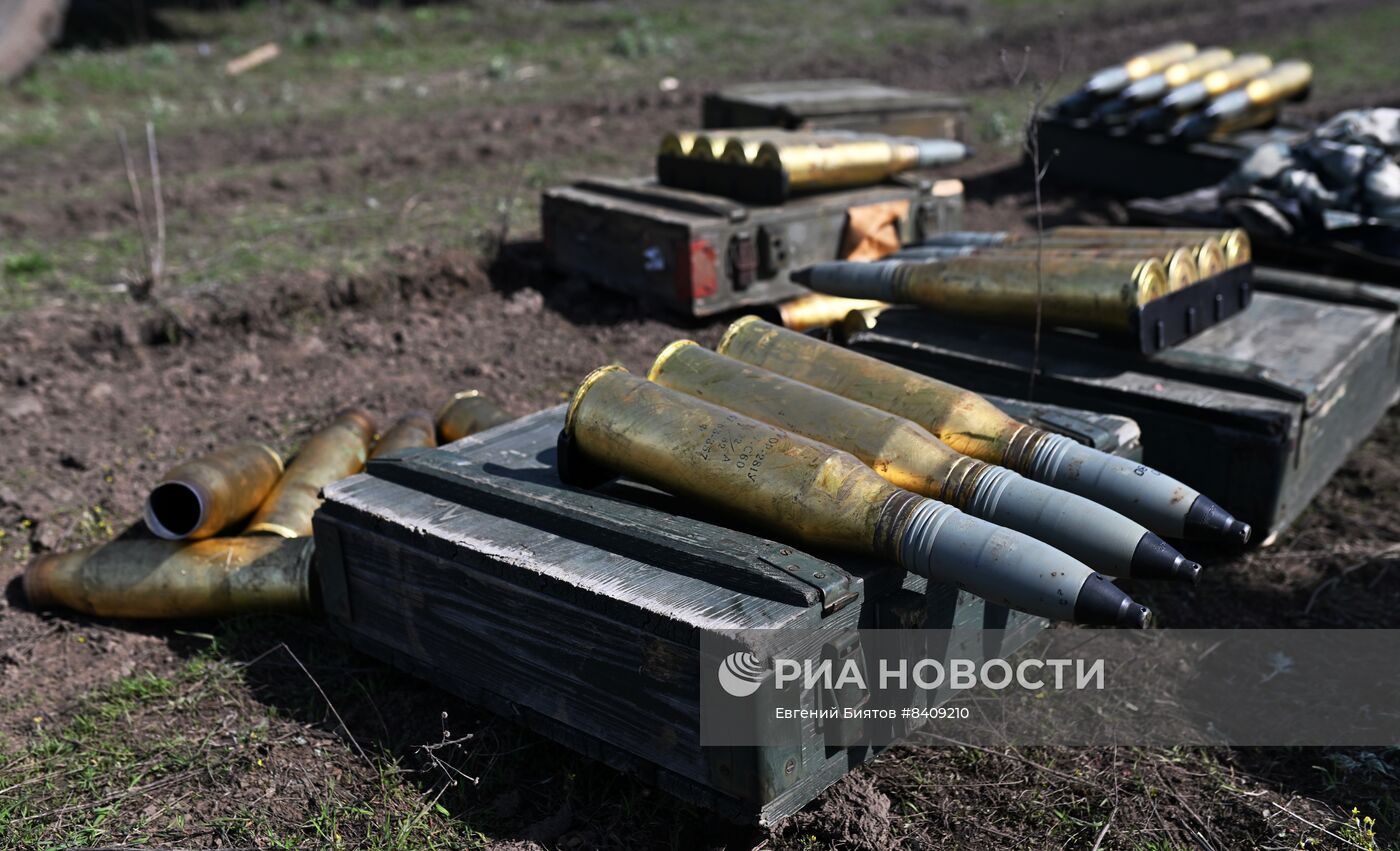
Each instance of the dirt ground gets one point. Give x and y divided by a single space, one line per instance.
262 732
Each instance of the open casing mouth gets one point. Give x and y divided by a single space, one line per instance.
582 391
176 510
734 328
660 362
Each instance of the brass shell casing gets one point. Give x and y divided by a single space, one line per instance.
818 310
861 320
741 146
711 145
1183 72
1182 261
678 144
1236 74
1283 81
1155 60
467 413
1210 258
414 430
707 147
1057 248
837 163
1259 116
1093 290
1181 267
741 151
1234 242
333 453
176 579
903 453
963 420
212 493
789 486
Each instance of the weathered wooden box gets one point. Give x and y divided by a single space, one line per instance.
581 613
1258 411
862 105
700 254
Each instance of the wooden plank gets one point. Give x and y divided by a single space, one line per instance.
638 591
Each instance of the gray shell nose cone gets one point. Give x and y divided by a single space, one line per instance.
1101 603
1154 558
1207 521
849 279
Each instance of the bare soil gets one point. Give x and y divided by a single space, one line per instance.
96 402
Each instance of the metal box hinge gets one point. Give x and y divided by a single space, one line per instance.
742 261
842 693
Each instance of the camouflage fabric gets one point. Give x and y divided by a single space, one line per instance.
1344 173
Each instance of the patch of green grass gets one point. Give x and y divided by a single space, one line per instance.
1348 50
333 56
344 66
27 264
124 766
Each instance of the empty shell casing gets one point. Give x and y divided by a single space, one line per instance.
818 311
333 453
414 430
212 493
176 579
812 494
973 426
467 413
907 455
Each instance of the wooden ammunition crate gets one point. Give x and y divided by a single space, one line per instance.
1257 412
700 254
861 105
580 613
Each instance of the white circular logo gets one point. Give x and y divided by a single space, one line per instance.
740 674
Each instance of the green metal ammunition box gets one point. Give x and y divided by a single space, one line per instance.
701 254
861 105
1117 163
580 613
1257 412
